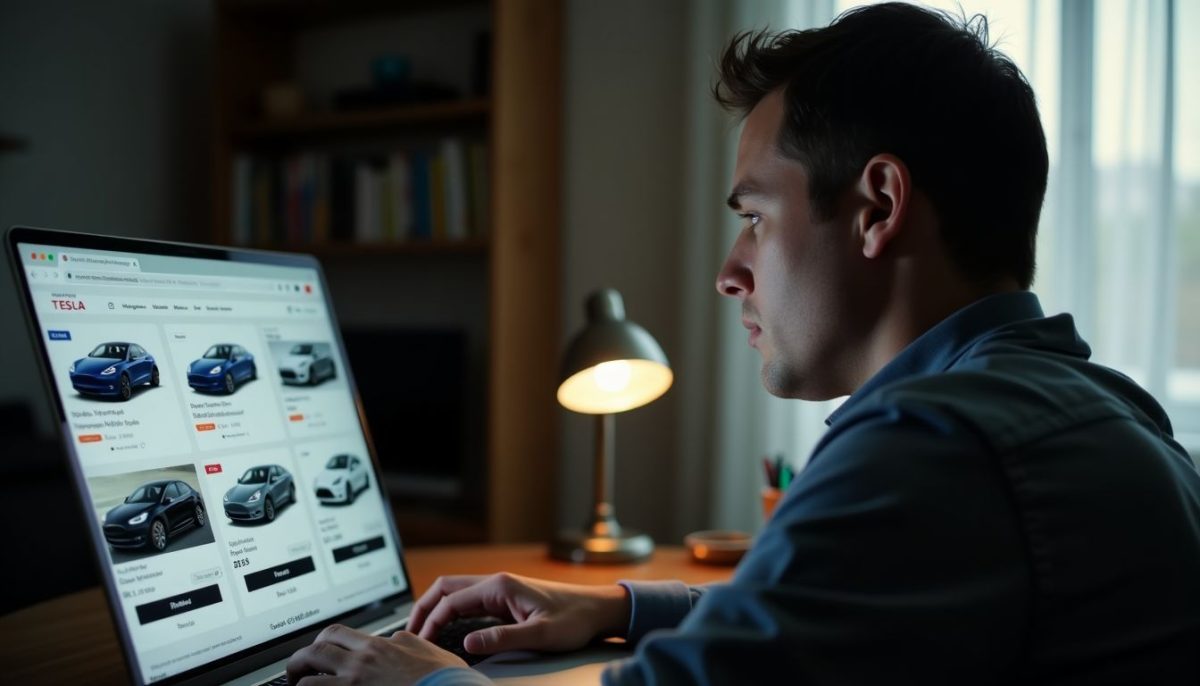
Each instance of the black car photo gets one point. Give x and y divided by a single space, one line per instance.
259 493
152 514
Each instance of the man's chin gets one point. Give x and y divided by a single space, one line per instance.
782 382
775 380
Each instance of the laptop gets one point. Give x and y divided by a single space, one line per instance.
232 494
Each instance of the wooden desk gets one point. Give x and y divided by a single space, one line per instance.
71 639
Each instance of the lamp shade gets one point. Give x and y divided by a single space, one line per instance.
612 365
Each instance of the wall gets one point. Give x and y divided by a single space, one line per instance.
623 160
114 102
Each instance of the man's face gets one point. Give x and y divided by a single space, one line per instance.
790 272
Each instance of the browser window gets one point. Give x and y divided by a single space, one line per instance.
210 410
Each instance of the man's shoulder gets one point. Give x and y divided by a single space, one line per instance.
1007 398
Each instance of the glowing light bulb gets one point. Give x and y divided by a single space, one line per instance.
612 376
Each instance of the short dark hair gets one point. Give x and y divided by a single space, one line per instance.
959 114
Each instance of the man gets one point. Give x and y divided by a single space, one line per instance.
986 507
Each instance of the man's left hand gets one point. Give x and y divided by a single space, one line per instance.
341 655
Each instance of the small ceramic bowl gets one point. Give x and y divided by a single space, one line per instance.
717 547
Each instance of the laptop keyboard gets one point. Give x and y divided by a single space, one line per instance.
450 639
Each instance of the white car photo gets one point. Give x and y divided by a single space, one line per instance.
308 364
344 477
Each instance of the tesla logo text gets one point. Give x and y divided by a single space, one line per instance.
68 304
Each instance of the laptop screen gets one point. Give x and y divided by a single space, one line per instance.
215 435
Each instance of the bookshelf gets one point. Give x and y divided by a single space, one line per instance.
508 271
312 124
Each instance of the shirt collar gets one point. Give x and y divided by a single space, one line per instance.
936 349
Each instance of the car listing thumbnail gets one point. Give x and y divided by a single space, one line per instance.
160 538
351 527
267 528
312 389
227 390
117 392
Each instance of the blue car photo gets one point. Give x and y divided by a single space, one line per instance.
222 368
113 369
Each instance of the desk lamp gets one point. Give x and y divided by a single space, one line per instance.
612 366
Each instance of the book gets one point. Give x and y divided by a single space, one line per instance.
399 190
437 195
454 188
420 193
479 196
342 219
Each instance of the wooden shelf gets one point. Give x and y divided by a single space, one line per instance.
468 246
302 13
431 114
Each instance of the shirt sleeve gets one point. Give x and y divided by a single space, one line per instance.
894 558
658 605
455 676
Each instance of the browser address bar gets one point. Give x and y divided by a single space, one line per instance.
143 280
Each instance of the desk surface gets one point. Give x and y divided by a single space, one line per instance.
71 639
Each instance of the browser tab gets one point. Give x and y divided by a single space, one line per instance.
105 262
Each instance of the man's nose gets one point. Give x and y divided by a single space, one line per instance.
735 279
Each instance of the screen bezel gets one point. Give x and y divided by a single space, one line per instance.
266 652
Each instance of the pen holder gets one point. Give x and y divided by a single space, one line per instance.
770 498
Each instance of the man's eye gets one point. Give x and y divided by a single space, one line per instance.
749 218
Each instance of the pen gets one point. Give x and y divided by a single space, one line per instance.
769 471
785 477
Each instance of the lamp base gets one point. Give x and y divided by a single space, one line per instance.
582 546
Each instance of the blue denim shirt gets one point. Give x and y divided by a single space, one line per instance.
988 508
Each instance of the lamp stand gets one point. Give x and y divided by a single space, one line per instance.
604 540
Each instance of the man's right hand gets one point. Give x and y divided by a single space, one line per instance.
543 615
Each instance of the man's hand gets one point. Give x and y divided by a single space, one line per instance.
341 655
543 615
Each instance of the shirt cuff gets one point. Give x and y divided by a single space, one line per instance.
655 605
454 676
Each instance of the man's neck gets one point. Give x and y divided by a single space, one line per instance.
911 312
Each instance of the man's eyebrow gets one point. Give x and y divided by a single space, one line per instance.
735 198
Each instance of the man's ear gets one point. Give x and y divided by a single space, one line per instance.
884 189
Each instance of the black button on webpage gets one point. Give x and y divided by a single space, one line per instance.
178 604
355 549
279 573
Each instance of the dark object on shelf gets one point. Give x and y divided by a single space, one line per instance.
415 92
12 144
391 72
413 386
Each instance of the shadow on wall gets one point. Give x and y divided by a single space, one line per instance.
36 490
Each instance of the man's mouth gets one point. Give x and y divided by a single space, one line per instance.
755 331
